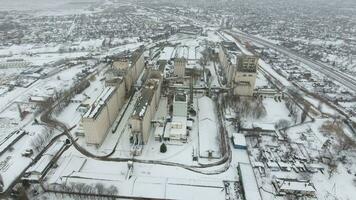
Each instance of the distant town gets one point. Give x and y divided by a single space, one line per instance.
233 100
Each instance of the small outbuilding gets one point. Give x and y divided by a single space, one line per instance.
239 141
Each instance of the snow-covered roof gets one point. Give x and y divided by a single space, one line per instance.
67 167
41 165
239 139
249 184
208 129
206 105
178 127
100 102
44 161
38 98
145 98
294 185
167 53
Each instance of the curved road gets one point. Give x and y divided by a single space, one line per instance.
327 70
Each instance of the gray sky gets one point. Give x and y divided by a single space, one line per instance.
37 4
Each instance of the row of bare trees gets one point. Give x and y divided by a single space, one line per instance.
83 190
338 143
67 95
292 108
41 139
336 129
249 107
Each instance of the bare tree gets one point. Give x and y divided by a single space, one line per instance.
282 124
305 112
112 190
99 188
332 169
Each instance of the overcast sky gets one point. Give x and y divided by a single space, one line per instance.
37 4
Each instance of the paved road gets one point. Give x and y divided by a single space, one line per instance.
325 69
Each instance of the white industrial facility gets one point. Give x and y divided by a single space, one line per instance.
145 108
177 129
104 111
240 68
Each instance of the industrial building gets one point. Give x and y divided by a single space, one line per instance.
239 141
249 185
240 69
245 75
130 67
145 108
102 113
179 67
296 187
228 55
208 129
177 129
180 105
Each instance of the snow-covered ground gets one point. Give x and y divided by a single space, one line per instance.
191 169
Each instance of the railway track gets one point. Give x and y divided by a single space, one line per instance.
328 71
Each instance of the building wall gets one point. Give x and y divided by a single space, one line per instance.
248 63
135 125
95 129
112 108
244 71
137 67
246 77
128 82
242 89
121 94
230 71
180 108
146 123
134 73
143 125
140 64
228 67
222 57
179 68
157 95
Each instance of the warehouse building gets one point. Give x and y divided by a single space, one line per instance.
240 68
208 129
130 67
239 141
228 56
296 187
177 128
102 114
180 105
245 75
250 188
179 67
145 108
